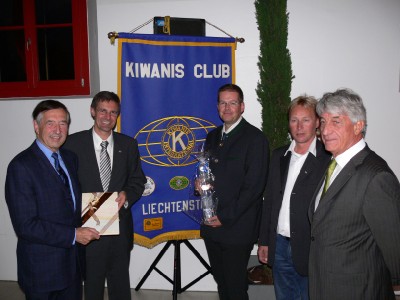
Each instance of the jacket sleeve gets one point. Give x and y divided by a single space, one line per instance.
136 180
382 212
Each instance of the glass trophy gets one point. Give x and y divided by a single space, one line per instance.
203 186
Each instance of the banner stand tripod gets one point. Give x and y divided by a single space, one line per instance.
176 281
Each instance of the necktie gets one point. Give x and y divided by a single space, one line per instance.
329 172
60 170
223 138
105 166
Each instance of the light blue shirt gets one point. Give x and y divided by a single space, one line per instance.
48 154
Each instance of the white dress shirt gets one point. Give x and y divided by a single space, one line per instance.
296 163
341 160
97 147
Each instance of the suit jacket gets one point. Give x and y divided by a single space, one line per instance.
355 236
303 190
126 174
240 167
43 216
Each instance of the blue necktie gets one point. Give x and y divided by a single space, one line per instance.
60 170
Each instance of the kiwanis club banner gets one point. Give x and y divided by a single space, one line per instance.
168 87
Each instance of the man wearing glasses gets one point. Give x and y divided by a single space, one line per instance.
239 160
109 161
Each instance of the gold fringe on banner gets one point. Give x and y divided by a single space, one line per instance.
168 236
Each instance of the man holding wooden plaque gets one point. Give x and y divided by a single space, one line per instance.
109 162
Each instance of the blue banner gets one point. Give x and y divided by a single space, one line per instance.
168 87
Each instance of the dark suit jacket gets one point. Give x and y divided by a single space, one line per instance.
355 233
126 174
42 213
303 190
240 168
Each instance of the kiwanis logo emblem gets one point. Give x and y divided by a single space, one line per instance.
170 141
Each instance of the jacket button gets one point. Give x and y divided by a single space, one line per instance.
312 239
216 160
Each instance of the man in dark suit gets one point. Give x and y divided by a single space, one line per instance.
240 165
44 201
294 173
108 258
355 213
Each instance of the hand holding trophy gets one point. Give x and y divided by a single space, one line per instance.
204 185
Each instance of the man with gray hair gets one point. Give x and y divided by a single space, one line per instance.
355 213
44 200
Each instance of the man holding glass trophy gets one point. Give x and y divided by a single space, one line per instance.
234 170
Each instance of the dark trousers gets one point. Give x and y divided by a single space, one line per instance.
108 259
72 292
229 268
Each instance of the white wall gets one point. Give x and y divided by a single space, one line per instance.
333 43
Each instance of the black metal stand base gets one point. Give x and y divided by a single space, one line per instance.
176 281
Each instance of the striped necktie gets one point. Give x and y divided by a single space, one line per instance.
105 166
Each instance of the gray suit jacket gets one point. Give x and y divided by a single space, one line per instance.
355 233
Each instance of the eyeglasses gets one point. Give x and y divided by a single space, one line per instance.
231 104
104 112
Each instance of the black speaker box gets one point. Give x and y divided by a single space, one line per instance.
180 26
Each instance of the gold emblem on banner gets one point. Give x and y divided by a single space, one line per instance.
153 224
171 141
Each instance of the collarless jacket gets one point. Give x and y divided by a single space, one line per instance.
305 185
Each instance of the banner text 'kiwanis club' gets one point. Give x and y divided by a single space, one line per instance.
170 70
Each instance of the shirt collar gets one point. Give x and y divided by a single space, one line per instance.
97 139
344 158
232 126
47 151
311 149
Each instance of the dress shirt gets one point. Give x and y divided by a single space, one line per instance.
48 154
97 147
341 160
232 126
296 163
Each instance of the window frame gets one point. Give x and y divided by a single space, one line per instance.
33 87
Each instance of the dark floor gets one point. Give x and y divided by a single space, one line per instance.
9 290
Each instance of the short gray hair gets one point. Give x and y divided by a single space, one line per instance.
344 102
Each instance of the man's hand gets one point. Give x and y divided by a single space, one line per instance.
84 235
121 199
213 222
262 253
